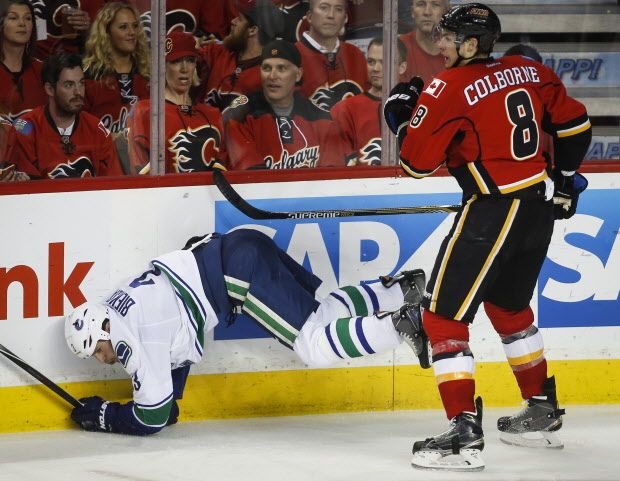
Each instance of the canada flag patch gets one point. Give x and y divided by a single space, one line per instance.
435 87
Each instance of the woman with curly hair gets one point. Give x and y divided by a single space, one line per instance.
20 73
116 65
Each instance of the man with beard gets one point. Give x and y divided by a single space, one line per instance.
333 70
58 140
233 67
359 116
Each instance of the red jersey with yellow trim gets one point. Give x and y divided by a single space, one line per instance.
227 78
329 78
194 140
112 97
41 152
359 119
419 62
257 138
21 91
485 120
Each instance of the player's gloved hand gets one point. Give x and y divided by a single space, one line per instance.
399 106
91 416
566 194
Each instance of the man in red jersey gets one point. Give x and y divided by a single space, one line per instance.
58 140
333 70
423 57
233 67
483 118
359 116
277 128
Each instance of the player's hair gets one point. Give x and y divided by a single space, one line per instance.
402 50
55 64
28 54
311 3
525 50
98 51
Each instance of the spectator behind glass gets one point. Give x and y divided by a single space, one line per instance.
65 24
294 14
20 74
278 128
423 57
116 66
359 117
59 140
333 70
233 67
194 134
8 172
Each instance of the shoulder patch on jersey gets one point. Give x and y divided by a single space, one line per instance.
123 352
239 101
23 126
435 88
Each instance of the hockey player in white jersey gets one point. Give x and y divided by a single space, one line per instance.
155 324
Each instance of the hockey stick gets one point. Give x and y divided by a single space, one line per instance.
39 377
248 209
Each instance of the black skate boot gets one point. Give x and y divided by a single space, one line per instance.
536 424
408 319
456 449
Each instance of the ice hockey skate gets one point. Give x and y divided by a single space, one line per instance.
536 425
457 449
408 319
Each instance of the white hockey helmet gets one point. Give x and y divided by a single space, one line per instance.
84 327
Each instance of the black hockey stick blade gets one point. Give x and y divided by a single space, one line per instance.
248 209
39 377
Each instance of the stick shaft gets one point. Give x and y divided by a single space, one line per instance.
242 205
39 377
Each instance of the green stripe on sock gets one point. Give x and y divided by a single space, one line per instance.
264 318
359 303
344 336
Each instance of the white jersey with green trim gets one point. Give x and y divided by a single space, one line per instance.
161 320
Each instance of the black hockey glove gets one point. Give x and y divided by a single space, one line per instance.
399 106
91 416
566 194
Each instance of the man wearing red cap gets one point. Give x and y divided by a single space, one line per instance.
232 68
277 128
193 132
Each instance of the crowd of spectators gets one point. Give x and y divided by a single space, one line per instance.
249 84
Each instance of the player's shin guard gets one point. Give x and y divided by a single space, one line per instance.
453 363
523 345
320 345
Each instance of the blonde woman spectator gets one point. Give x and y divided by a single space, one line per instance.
20 73
116 65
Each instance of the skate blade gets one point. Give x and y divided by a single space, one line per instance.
538 439
466 460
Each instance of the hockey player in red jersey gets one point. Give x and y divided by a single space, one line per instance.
20 72
277 128
483 119
359 117
194 140
333 70
233 67
58 140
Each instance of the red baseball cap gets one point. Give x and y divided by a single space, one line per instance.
180 44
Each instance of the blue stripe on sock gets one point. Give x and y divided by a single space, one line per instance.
360 335
373 297
331 342
341 299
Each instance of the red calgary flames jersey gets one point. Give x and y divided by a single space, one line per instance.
112 97
21 91
359 118
227 78
329 78
193 138
485 121
41 152
257 138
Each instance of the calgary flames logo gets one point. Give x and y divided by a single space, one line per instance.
326 96
195 150
370 154
80 167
